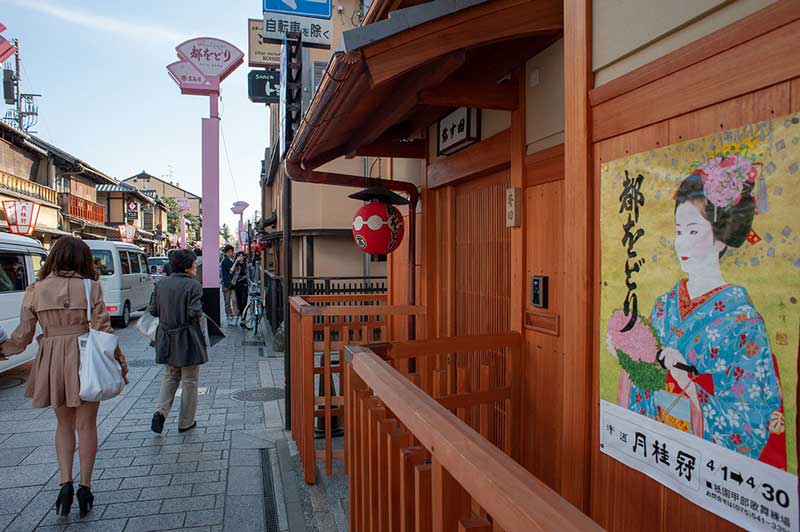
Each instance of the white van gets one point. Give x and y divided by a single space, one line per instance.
124 276
21 259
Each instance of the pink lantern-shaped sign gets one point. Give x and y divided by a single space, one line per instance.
21 216
127 233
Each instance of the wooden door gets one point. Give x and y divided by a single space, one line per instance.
482 256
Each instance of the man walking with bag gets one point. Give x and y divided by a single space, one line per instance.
180 346
228 290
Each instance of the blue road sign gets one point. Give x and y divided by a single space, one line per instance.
300 8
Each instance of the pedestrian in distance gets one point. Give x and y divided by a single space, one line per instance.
228 291
177 301
241 285
58 303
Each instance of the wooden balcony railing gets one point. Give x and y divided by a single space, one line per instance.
28 188
320 327
82 208
414 465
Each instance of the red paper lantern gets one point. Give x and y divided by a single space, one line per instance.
378 228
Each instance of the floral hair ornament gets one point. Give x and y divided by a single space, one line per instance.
724 179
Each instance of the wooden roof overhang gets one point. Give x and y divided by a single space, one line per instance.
399 75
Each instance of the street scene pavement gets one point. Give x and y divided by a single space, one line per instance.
237 471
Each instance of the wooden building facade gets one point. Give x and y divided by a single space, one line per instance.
562 89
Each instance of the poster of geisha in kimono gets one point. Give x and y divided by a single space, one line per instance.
700 318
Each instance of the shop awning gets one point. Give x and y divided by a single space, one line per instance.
412 66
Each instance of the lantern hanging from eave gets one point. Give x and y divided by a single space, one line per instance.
21 216
378 224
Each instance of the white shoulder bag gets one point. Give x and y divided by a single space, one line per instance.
100 373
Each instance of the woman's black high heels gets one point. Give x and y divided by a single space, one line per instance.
64 500
85 500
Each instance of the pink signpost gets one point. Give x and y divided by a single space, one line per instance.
204 63
239 208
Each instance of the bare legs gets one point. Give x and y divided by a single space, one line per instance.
65 441
84 420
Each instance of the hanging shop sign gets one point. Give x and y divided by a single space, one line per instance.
131 210
263 86
699 319
459 129
316 33
21 216
127 233
259 52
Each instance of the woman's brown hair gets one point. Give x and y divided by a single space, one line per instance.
69 254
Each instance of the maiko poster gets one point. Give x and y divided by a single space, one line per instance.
699 319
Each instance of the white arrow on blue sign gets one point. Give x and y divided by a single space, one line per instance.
300 8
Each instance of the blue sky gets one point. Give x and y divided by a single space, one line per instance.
107 97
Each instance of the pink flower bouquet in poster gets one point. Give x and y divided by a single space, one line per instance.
636 350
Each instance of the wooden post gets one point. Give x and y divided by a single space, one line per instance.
306 352
577 260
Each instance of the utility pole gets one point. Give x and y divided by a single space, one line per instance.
25 113
18 85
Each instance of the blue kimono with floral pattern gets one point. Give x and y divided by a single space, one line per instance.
723 336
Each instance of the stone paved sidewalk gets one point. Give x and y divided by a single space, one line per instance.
209 479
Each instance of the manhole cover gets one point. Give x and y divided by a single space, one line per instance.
141 363
259 395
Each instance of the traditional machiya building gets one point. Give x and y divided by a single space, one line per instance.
27 173
127 205
75 182
165 189
592 321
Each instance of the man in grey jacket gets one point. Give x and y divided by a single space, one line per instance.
180 346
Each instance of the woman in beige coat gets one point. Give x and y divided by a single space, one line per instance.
57 302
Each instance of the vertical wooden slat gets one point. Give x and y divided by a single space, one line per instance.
307 412
358 468
396 441
422 498
328 380
384 429
449 502
410 458
375 414
483 427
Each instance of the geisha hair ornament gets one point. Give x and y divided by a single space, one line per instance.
725 180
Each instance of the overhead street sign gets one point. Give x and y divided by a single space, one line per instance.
263 86
316 32
300 8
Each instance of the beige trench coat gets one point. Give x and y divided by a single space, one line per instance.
58 304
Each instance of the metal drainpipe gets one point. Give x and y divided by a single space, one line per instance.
287 293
